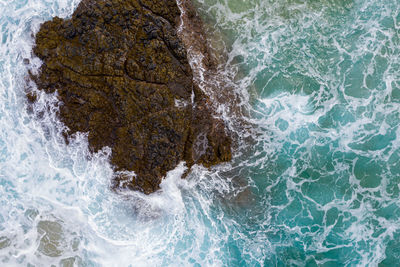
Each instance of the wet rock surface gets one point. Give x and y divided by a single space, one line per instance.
122 75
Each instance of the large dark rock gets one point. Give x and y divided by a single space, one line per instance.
122 75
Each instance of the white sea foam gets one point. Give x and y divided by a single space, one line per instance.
311 144
57 206
338 122
56 203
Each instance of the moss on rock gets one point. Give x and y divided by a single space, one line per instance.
122 75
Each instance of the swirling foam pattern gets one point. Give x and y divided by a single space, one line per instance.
324 83
317 186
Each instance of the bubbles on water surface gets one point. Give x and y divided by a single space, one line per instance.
319 186
324 78
57 208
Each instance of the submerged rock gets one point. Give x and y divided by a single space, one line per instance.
122 75
4 242
51 238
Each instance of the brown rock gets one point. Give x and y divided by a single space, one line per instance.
122 75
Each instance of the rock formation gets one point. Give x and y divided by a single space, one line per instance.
122 75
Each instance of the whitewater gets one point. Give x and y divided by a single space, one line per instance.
316 170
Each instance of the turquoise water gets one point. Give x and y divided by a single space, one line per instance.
324 79
316 183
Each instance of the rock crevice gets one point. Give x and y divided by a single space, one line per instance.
119 68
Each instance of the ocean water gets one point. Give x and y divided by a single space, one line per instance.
314 180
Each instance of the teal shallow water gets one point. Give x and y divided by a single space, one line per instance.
317 186
324 79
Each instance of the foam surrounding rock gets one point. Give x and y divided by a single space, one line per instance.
122 75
